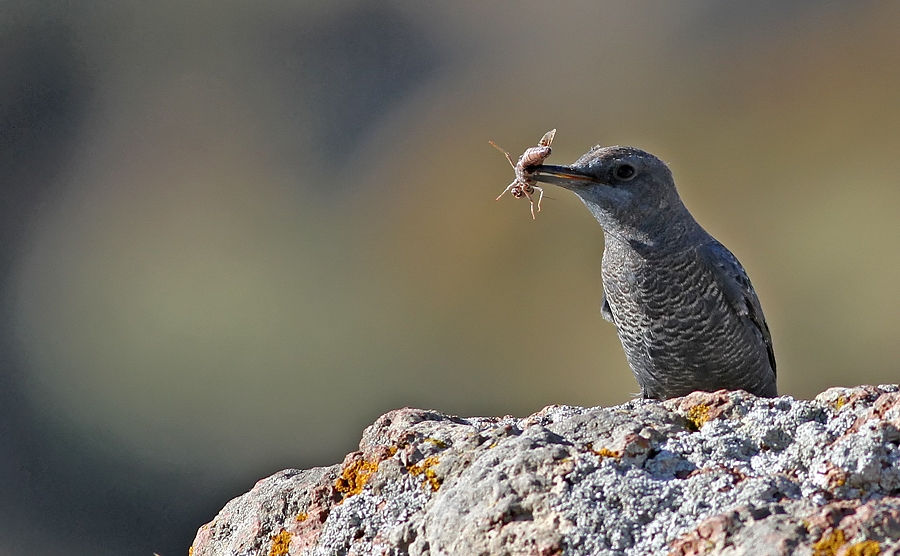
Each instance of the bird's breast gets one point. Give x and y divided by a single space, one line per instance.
660 301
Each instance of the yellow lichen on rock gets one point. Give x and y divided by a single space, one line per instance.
424 467
604 452
280 544
840 402
697 416
865 548
437 442
607 453
829 544
354 477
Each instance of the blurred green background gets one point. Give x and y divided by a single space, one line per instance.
232 234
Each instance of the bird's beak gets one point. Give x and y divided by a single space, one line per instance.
566 177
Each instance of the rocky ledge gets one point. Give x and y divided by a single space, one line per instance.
710 473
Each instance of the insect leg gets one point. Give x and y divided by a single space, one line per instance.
504 151
508 188
530 200
540 197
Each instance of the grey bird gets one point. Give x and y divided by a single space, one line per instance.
685 311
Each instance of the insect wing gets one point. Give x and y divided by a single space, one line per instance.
547 138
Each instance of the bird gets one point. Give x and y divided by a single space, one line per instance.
685 311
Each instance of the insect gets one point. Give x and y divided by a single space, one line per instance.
523 185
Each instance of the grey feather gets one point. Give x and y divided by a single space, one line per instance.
605 311
736 286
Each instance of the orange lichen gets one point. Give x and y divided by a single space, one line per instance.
355 476
424 467
302 516
865 548
604 452
697 416
191 550
280 544
829 544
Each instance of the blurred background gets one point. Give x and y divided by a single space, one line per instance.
232 234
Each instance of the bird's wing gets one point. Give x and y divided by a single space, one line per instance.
736 286
605 310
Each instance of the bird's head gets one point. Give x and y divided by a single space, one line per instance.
630 192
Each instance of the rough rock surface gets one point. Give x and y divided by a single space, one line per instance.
709 473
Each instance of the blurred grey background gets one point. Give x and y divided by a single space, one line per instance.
234 233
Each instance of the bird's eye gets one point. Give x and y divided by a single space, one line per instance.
625 172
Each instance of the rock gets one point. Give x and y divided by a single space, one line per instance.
709 473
